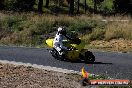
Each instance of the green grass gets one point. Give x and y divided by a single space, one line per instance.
27 28
106 6
114 30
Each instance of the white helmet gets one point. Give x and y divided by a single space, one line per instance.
61 30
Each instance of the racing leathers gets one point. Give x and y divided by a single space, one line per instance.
58 43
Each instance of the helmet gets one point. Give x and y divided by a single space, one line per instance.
61 30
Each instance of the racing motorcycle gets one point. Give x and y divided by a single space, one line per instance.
76 50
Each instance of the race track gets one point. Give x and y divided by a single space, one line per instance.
115 65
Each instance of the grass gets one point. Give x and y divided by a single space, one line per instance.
112 30
105 7
118 30
27 29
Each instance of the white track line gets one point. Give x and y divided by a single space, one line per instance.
49 68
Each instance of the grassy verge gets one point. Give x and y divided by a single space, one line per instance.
32 29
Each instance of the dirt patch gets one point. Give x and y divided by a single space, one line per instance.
113 45
12 76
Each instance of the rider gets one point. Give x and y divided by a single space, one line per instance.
57 43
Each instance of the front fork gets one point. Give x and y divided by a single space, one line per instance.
82 54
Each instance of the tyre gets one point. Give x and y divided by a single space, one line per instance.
54 53
89 57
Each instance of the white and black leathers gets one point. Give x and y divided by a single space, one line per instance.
58 41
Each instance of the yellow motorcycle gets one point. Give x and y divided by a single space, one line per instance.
77 51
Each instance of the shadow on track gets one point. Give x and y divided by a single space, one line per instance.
91 62
80 61
98 63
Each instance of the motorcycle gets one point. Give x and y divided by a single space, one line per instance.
76 51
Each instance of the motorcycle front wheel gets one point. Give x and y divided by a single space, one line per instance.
89 57
56 55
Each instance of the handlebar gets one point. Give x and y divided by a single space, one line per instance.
76 41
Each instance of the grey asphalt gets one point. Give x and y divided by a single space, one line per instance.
112 64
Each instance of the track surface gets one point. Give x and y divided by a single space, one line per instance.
115 65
